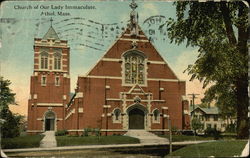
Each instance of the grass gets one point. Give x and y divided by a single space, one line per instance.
94 140
180 138
25 141
222 148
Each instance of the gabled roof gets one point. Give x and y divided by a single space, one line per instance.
51 34
211 110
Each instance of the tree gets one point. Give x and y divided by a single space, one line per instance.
220 31
9 122
196 124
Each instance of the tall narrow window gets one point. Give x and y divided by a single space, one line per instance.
117 116
156 116
57 61
43 80
57 81
44 60
134 68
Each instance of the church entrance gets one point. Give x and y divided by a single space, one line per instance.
136 119
50 121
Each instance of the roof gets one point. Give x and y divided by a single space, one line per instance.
51 34
211 110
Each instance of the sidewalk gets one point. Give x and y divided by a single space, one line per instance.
245 151
99 146
49 141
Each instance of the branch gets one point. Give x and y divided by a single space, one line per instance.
228 23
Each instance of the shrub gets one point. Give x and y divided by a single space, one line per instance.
213 133
231 128
97 131
61 133
86 131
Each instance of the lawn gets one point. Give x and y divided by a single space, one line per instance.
26 141
91 140
221 148
180 138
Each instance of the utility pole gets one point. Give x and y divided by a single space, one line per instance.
193 97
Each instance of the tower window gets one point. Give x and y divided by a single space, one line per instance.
43 80
156 116
44 60
134 68
57 61
57 81
117 116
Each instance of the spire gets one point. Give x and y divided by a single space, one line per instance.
51 32
133 18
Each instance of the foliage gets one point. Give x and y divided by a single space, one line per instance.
196 124
61 132
6 95
220 32
213 132
91 140
216 149
97 131
231 128
11 126
86 132
28 141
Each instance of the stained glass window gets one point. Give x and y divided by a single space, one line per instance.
134 68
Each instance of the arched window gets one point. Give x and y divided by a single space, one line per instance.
44 60
134 67
117 116
156 116
57 61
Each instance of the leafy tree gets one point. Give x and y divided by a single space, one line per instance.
7 97
10 127
196 124
10 123
220 31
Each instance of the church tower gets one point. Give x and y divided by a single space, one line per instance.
49 84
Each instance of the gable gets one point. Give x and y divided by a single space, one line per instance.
112 59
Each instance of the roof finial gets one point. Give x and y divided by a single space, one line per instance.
133 18
51 20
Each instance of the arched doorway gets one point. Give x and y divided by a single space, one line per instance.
50 121
136 118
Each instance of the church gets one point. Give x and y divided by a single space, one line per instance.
130 87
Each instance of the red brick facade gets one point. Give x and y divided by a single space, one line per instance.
103 90
49 85
130 87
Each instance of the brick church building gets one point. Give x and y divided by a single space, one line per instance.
130 87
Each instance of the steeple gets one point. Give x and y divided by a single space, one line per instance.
51 32
133 19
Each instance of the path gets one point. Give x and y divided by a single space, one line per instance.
99 146
49 140
146 137
245 151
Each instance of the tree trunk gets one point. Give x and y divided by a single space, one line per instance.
242 108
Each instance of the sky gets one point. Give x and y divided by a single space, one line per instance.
90 31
